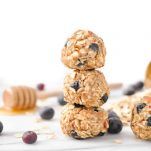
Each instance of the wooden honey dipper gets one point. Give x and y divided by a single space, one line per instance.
23 97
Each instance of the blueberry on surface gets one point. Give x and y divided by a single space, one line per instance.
1 127
115 125
129 91
112 114
138 85
47 113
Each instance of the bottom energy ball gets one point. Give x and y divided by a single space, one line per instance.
141 120
80 122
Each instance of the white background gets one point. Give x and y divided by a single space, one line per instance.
33 32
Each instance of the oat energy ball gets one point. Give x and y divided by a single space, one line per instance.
84 50
88 88
141 120
80 122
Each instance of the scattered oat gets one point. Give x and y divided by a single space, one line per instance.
18 135
44 127
38 120
117 141
52 136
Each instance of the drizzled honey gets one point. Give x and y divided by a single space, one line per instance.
13 112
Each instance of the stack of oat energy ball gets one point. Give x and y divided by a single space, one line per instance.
85 89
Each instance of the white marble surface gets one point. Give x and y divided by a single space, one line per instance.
16 125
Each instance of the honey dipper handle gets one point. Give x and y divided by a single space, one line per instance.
114 86
42 95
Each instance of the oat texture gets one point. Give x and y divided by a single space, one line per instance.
79 122
84 50
141 120
88 88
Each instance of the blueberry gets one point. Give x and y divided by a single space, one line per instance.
75 135
29 137
129 91
1 127
78 105
41 86
80 64
47 113
75 85
61 100
112 114
96 109
101 134
115 125
94 47
140 106
149 121
138 86
104 97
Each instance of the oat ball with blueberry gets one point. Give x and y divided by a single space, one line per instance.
80 122
84 50
141 119
88 88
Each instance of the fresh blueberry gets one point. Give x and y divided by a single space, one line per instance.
138 85
1 127
61 100
96 109
75 135
112 114
129 91
41 86
94 47
149 121
115 125
47 113
78 105
101 134
75 85
80 64
140 106
104 97
29 137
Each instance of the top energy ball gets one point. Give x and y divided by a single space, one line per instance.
84 50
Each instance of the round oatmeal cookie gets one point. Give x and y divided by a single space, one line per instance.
88 88
141 120
84 50
80 122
